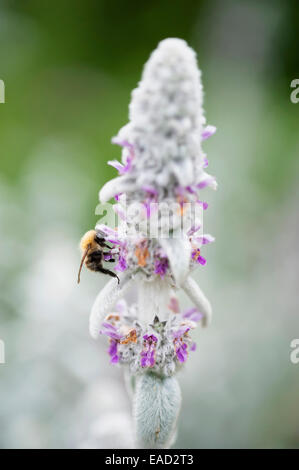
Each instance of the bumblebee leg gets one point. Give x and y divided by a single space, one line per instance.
101 242
106 271
108 260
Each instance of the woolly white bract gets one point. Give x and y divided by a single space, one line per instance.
162 163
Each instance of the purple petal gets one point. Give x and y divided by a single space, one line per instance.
193 230
180 332
121 265
190 189
181 353
193 347
110 330
148 358
207 181
161 266
150 189
112 348
122 143
193 314
205 239
152 358
114 359
114 241
117 165
208 132
197 257
150 338
143 360
128 165
205 162
203 184
108 326
147 206
204 204
106 230
201 260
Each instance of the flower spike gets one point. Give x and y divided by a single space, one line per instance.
159 241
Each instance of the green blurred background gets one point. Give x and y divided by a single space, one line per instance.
69 68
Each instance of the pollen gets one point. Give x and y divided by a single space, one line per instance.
142 254
112 317
130 338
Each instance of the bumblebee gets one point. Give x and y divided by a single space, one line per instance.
92 248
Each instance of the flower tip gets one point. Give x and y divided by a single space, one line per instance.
173 44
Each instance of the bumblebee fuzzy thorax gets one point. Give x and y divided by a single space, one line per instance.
88 241
92 248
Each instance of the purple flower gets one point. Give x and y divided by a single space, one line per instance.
193 230
181 331
208 132
196 256
123 168
150 190
161 266
193 314
205 239
150 338
147 205
181 351
122 264
110 331
122 143
190 189
150 200
150 205
193 347
107 231
203 184
205 162
180 346
148 353
112 351
204 204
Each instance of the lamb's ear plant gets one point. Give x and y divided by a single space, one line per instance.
159 239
